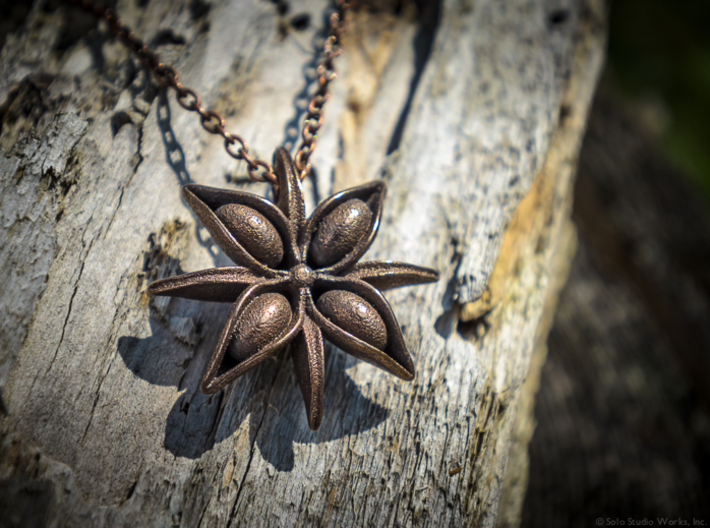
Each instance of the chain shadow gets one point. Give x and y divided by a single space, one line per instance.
300 102
175 158
310 76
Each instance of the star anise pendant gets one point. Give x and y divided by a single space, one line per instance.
297 279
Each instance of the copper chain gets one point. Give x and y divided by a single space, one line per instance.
326 74
210 120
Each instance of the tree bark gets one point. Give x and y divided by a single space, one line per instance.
472 112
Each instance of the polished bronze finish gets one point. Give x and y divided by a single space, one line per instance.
264 320
297 301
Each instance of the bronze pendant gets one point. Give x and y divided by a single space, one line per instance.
297 280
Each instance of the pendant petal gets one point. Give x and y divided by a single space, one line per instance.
207 201
214 284
223 368
342 228
393 356
385 274
308 361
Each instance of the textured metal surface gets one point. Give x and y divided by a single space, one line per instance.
308 363
354 315
254 232
372 194
274 305
340 232
386 274
264 320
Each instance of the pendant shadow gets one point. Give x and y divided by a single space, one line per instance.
284 423
183 335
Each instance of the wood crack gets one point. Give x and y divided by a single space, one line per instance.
429 21
134 171
66 319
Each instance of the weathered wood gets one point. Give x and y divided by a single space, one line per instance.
104 418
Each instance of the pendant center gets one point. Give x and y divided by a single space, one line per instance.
303 276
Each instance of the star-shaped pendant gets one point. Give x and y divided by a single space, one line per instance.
297 279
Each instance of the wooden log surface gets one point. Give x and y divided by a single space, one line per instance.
623 421
464 108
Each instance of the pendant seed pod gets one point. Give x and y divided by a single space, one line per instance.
254 232
355 315
340 231
262 322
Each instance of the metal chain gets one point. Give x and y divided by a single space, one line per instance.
210 120
326 74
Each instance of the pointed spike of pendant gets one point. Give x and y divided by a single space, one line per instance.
308 362
289 191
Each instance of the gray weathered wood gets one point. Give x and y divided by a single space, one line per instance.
623 405
104 422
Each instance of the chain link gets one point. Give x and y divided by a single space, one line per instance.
211 121
326 74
